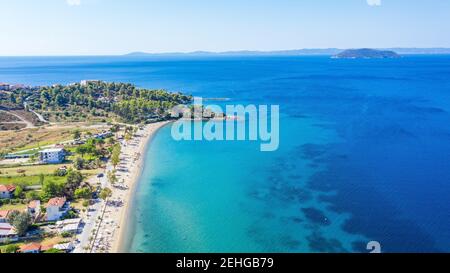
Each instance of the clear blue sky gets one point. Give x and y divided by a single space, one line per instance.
90 27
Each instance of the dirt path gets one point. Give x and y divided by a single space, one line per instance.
22 120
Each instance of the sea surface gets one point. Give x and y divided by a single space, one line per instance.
364 153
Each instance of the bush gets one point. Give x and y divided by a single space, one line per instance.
84 193
12 248
32 195
53 251
66 234
70 215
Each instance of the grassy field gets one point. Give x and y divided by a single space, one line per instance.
31 170
12 141
14 175
29 180
19 207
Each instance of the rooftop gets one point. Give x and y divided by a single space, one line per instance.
76 221
4 213
34 204
9 188
6 229
54 150
30 247
57 202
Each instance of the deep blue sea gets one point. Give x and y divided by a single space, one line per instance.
364 153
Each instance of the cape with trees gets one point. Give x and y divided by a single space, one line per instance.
96 100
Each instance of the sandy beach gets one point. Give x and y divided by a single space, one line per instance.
112 227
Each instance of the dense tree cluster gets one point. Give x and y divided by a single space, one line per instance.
99 99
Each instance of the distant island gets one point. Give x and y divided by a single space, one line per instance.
366 53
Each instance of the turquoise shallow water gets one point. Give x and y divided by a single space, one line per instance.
364 154
230 197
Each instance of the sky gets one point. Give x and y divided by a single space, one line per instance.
110 27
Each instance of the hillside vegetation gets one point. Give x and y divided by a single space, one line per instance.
95 101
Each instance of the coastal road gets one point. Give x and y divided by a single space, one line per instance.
89 220
91 217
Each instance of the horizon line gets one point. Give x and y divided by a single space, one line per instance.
235 52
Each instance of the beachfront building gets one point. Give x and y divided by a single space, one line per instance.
52 156
7 233
57 208
7 191
69 226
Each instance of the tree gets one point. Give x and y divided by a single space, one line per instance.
20 221
85 203
105 193
128 137
115 158
78 163
51 189
32 195
84 193
18 192
112 178
76 134
73 181
81 150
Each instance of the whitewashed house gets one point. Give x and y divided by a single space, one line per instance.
52 156
7 191
57 208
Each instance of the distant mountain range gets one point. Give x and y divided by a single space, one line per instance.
296 52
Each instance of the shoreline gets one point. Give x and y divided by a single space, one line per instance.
134 173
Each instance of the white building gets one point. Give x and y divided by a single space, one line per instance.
7 191
69 225
67 247
57 208
7 233
52 156
86 82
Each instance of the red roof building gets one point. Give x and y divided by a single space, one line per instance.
7 191
57 202
31 248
